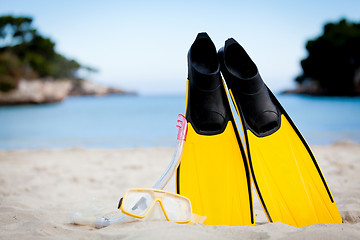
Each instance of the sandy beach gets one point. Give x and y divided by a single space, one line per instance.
41 188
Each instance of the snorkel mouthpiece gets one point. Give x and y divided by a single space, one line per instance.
80 219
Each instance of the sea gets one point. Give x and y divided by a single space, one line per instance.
127 121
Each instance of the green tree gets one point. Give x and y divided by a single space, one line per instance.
25 53
15 30
333 58
10 71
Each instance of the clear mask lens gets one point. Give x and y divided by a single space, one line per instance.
137 203
178 209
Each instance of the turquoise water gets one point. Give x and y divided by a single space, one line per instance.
117 121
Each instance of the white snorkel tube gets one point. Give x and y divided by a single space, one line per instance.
100 222
175 161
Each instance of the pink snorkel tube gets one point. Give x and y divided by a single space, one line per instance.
100 222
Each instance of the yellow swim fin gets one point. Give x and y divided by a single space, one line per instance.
213 172
287 178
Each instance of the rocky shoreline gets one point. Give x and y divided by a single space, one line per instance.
42 91
320 92
312 88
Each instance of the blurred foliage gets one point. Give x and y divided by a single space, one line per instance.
24 53
334 59
10 71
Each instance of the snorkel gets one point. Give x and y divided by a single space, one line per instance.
101 222
175 161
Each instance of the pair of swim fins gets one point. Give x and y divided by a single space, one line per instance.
216 168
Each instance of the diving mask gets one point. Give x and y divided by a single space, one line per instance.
138 202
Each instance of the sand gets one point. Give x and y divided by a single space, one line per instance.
41 188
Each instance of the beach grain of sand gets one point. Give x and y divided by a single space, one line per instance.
41 188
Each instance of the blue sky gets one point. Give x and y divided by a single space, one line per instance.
142 45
